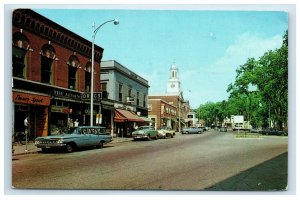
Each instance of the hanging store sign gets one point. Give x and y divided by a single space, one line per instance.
34 99
130 100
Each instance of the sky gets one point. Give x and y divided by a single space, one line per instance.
206 45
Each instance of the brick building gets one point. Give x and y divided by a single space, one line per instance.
51 74
160 116
162 113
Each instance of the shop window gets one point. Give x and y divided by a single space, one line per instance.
88 77
47 57
103 87
73 65
46 70
138 98
18 62
19 55
72 78
120 92
129 91
144 102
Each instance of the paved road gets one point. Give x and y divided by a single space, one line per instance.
210 161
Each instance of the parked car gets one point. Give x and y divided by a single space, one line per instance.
145 132
223 129
255 130
166 131
77 137
192 130
270 131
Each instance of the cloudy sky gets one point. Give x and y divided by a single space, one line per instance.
206 45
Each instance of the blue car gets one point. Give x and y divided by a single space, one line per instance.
83 136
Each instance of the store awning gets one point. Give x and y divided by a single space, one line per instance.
126 116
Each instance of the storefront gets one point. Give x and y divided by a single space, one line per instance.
51 109
32 105
125 121
67 106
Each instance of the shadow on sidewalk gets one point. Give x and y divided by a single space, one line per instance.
271 175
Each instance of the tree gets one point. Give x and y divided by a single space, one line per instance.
269 75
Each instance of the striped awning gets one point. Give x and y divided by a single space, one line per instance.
126 116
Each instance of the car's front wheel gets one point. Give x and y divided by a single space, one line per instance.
69 148
100 145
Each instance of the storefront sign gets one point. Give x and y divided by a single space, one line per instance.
61 109
97 95
67 94
77 95
34 99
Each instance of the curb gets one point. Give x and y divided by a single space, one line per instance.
36 150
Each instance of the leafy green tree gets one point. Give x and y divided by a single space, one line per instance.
269 74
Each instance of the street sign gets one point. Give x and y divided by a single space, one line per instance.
238 119
130 100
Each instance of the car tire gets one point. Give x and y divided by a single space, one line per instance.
100 145
44 150
69 148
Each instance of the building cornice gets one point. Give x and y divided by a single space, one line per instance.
35 23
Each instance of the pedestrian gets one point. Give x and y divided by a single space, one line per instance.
26 124
76 123
70 123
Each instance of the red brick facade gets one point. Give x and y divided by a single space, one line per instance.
39 42
163 113
60 64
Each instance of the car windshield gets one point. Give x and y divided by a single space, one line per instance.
164 128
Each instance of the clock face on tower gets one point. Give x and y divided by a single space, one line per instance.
172 85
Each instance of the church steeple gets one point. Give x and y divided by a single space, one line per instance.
174 72
173 85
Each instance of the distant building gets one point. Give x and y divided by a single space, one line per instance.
162 113
191 119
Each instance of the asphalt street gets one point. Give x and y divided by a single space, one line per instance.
211 161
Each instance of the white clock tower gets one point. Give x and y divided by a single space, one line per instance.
173 85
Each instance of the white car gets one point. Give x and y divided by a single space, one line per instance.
165 131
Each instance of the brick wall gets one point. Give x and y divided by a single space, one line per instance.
60 66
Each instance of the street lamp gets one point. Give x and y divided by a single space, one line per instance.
116 22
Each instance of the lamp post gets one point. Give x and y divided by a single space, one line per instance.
95 30
179 116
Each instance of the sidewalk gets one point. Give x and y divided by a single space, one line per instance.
19 149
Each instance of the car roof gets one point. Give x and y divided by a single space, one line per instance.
91 127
